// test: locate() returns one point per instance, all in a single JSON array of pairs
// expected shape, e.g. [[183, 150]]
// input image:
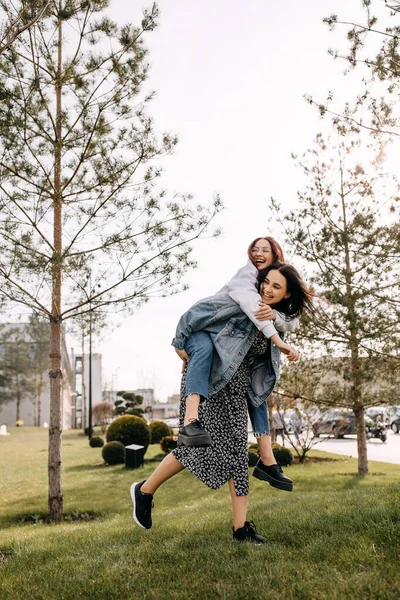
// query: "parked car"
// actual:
[[395, 425], [394, 418], [379, 413], [337, 422]]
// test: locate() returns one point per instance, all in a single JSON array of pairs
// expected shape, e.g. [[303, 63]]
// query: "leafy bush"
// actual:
[[96, 442], [88, 431], [283, 455], [253, 457], [113, 453], [129, 429], [255, 448], [168, 443], [158, 430]]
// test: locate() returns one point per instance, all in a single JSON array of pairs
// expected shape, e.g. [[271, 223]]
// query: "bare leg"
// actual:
[[265, 447], [167, 468], [192, 408], [239, 506]]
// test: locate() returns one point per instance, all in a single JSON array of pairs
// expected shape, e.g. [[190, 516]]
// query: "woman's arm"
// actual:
[[281, 321]]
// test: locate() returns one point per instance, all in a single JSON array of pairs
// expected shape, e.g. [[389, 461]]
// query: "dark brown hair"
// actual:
[[275, 247], [300, 298]]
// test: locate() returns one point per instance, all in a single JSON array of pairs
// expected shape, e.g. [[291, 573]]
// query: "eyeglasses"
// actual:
[[266, 250]]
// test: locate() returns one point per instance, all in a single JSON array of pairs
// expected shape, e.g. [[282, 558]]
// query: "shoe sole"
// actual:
[[133, 498], [199, 440], [259, 474]]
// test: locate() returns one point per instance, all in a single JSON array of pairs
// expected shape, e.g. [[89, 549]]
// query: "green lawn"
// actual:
[[336, 536]]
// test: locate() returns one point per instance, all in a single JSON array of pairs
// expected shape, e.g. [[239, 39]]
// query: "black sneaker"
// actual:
[[274, 475], [248, 533], [193, 435], [142, 505]]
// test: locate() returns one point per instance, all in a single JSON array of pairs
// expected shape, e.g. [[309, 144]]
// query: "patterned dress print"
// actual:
[[224, 416]]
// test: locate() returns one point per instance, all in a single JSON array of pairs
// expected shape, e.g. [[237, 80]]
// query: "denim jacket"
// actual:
[[232, 334]]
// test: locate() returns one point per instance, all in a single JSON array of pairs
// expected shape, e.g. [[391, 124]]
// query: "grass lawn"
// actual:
[[336, 536]]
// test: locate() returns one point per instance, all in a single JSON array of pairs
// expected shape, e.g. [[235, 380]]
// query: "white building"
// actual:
[[166, 410], [33, 405]]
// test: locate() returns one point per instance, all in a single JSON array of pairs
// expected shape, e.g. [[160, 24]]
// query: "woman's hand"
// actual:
[[292, 353], [181, 352], [265, 313]]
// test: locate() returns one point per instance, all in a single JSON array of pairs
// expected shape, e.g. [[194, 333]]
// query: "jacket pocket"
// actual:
[[234, 328]]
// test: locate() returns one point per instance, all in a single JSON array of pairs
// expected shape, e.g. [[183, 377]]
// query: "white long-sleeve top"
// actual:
[[242, 289]]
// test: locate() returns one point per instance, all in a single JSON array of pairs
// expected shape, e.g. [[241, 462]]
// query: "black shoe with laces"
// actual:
[[142, 505], [274, 475], [248, 533], [193, 434]]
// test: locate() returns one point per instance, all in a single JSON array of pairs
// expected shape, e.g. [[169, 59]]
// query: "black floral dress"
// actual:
[[224, 416]]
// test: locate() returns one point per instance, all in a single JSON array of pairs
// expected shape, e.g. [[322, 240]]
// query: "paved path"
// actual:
[[384, 452]]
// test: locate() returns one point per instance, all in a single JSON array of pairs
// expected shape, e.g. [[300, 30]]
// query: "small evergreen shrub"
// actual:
[[283, 455], [96, 442], [113, 453], [129, 429], [253, 457], [255, 448], [168, 443], [158, 430], [88, 431]]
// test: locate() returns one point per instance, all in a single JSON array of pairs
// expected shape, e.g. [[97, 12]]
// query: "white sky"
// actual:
[[230, 78]]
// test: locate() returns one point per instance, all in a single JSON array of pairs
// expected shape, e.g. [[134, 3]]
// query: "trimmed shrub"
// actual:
[[158, 430], [96, 442], [283, 455], [168, 443], [113, 453], [255, 448], [129, 429], [253, 458]]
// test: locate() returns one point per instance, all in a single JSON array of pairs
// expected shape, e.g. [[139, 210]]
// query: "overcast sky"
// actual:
[[230, 78]]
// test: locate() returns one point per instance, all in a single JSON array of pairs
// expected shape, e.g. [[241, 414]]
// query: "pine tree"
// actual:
[[18, 17], [347, 228], [79, 181]]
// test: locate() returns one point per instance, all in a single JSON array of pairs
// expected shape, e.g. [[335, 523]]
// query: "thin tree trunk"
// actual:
[[354, 348], [84, 411], [361, 440], [39, 400], [55, 499], [18, 415]]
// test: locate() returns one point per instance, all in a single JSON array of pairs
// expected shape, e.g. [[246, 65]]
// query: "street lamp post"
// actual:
[[90, 376]]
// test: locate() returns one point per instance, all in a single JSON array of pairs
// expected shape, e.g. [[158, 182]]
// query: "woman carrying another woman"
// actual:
[[245, 365], [199, 347]]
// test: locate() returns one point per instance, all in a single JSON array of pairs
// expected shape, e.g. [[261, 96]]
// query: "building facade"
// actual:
[[29, 402]]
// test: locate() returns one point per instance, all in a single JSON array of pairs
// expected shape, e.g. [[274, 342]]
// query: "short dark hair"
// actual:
[[300, 298]]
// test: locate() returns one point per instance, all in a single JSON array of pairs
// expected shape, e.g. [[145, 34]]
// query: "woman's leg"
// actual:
[[142, 492], [260, 423], [265, 448], [239, 507], [167, 468], [200, 350], [267, 468], [243, 531]]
